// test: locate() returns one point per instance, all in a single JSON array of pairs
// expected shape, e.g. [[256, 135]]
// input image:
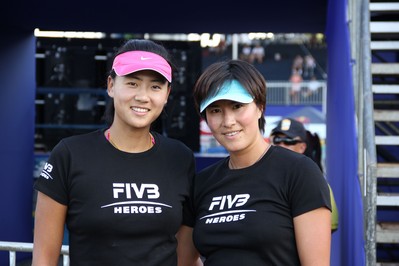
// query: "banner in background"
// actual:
[[17, 116], [341, 146]]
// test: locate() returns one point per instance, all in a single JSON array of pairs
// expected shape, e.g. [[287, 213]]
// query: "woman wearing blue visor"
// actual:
[[263, 204]]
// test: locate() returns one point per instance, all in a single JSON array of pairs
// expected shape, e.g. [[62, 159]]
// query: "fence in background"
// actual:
[[14, 247], [307, 93]]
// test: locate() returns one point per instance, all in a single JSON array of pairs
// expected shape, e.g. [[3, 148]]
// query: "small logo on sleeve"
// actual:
[[46, 172]]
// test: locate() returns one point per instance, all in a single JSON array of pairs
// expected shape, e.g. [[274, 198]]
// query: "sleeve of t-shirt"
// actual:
[[308, 188], [53, 178], [188, 210]]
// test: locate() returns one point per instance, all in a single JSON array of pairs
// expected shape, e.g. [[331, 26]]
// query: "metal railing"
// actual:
[[14, 247], [310, 93]]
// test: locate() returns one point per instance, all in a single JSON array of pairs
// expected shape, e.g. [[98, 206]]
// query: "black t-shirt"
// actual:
[[123, 208], [245, 216]]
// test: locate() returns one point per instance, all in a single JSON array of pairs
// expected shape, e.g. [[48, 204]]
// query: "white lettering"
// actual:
[[215, 201], [225, 219], [241, 199], [128, 191], [134, 209], [137, 209], [118, 189], [48, 167], [237, 201], [150, 190]]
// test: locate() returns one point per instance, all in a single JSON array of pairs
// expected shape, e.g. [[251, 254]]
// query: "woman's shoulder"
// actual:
[[80, 144], [283, 157], [216, 167], [171, 144], [93, 135], [278, 151], [84, 140]]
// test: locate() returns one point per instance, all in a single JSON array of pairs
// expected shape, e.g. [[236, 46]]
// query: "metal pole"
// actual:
[[234, 44], [357, 80], [65, 261], [368, 137], [13, 257]]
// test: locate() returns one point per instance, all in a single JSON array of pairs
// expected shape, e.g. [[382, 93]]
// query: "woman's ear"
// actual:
[[260, 108], [302, 147], [110, 86], [169, 90]]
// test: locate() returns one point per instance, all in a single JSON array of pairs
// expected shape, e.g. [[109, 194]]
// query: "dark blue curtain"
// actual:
[[17, 117], [341, 146]]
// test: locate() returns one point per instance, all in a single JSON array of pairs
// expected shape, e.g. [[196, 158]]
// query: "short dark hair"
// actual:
[[245, 73]]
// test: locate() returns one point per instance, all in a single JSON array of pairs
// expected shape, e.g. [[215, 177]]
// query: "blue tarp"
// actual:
[[348, 241]]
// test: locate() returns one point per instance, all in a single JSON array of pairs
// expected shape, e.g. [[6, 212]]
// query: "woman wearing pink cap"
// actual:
[[263, 204], [122, 191]]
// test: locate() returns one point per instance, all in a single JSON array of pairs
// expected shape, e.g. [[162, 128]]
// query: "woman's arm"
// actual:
[[186, 252], [313, 237], [49, 231]]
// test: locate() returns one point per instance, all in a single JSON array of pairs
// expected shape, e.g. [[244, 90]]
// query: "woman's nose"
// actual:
[[141, 95], [228, 119]]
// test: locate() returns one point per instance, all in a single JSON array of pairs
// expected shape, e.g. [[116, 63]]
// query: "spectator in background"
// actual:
[[313, 42], [246, 52], [309, 66], [296, 84], [291, 134], [297, 65], [257, 54], [221, 48], [277, 57], [313, 87]]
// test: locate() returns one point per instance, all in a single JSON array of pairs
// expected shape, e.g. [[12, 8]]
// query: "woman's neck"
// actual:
[[132, 141], [248, 157]]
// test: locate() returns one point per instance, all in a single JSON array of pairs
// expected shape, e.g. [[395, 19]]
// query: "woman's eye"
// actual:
[[238, 105], [156, 87], [214, 110], [132, 84]]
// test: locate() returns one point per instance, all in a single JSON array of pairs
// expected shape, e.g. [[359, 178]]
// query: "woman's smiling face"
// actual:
[[234, 124], [139, 98]]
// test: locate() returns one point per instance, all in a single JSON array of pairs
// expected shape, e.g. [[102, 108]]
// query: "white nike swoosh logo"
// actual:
[[145, 58]]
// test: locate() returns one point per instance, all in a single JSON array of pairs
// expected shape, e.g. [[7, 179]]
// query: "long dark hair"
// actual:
[[135, 45], [313, 148]]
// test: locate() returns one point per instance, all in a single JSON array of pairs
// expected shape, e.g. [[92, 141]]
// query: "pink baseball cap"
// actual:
[[133, 61]]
